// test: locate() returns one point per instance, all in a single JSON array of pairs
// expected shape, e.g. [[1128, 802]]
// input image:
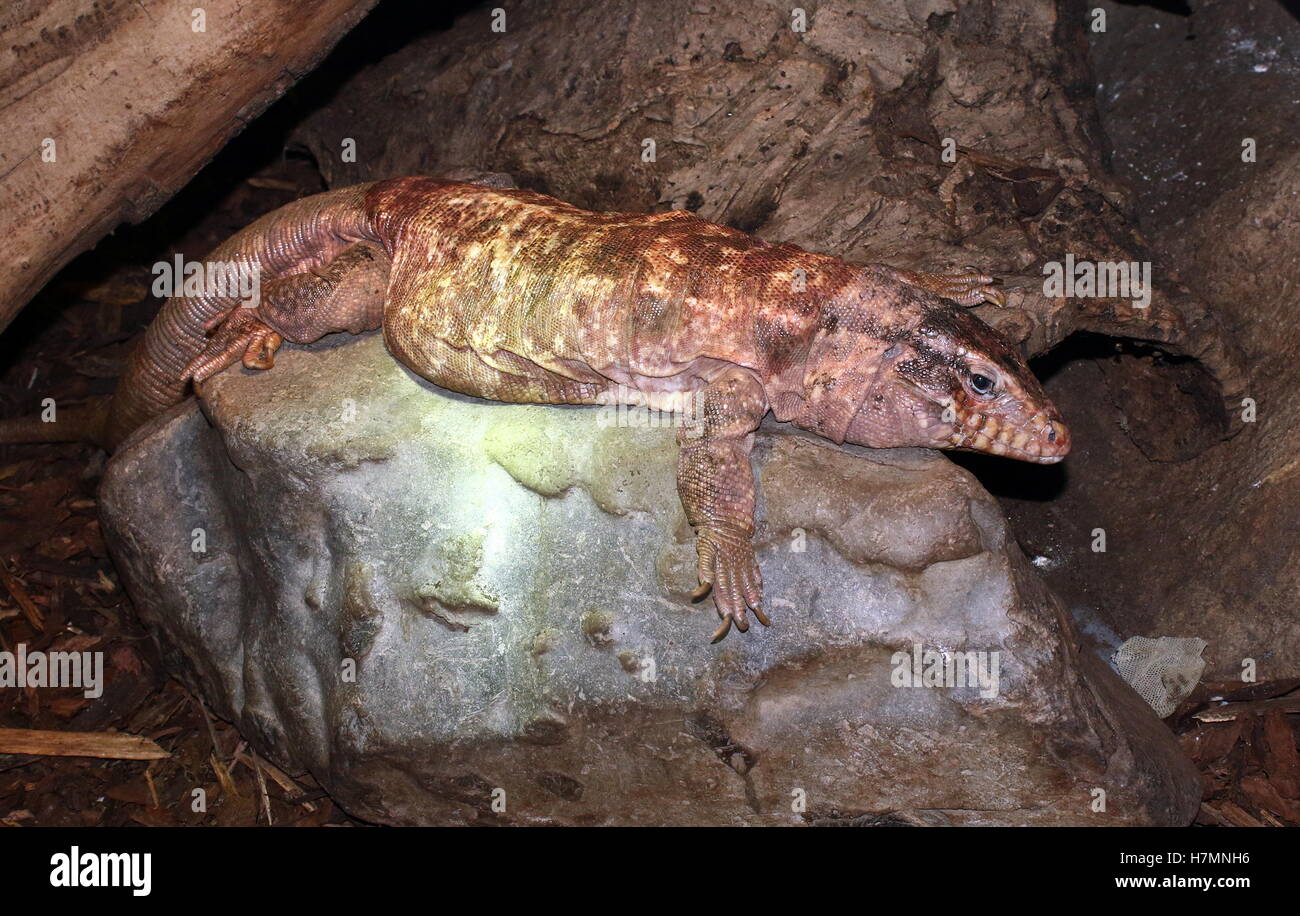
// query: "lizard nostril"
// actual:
[[1056, 437]]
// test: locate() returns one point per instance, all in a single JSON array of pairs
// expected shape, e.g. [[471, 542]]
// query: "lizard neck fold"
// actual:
[[840, 356]]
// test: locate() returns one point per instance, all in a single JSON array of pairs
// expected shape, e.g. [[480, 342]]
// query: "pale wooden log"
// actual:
[[136, 102], [112, 745]]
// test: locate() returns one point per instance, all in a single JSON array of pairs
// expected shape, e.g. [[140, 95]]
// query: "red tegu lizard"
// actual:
[[515, 296]]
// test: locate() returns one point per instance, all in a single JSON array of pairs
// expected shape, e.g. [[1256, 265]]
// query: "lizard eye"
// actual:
[[982, 384]]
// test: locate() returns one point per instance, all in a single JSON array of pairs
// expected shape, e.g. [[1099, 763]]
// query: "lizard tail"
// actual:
[[85, 423], [296, 238]]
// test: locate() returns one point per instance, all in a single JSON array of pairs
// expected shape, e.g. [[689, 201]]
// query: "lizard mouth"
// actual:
[[1040, 439], [933, 420]]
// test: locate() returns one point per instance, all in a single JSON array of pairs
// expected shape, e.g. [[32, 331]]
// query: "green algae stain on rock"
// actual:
[[598, 627], [633, 470], [452, 588], [627, 470], [526, 443]]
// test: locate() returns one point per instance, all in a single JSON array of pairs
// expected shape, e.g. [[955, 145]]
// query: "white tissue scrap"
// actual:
[[1163, 670]]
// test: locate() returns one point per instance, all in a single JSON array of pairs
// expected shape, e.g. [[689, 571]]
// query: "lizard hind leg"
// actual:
[[345, 294]]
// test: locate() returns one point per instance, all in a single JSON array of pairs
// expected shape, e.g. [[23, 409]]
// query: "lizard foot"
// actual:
[[239, 332], [728, 569], [965, 287]]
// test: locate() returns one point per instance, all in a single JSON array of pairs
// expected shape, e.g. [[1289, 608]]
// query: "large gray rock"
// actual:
[[510, 583]]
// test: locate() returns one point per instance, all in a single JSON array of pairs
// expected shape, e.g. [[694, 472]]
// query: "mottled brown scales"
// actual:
[[622, 295], [515, 296]]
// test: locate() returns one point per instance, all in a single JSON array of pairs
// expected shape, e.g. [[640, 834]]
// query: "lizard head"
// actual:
[[919, 372], [953, 382]]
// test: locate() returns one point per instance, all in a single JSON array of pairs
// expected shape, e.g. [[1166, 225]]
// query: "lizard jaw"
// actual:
[[1039, 440]]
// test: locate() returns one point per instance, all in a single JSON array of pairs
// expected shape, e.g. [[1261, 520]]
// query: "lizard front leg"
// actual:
[[345, 294], [716, 483], [966, 287]]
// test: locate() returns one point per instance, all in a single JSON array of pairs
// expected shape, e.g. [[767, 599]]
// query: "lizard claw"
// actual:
[[965, 287], [727, 569], [240, 332], [721, 632], [968, 287]]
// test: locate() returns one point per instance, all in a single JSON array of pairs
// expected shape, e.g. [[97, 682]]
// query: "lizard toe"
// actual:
[[727, 568], [260, 352], [239, 334]]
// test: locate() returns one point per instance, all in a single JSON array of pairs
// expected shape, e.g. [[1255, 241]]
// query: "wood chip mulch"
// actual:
[[69, 757]]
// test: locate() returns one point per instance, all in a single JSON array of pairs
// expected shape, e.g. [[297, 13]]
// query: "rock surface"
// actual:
[[433, 603]]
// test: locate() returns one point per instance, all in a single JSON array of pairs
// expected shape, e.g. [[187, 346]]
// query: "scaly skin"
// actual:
[[515, 296], [301, 236]]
